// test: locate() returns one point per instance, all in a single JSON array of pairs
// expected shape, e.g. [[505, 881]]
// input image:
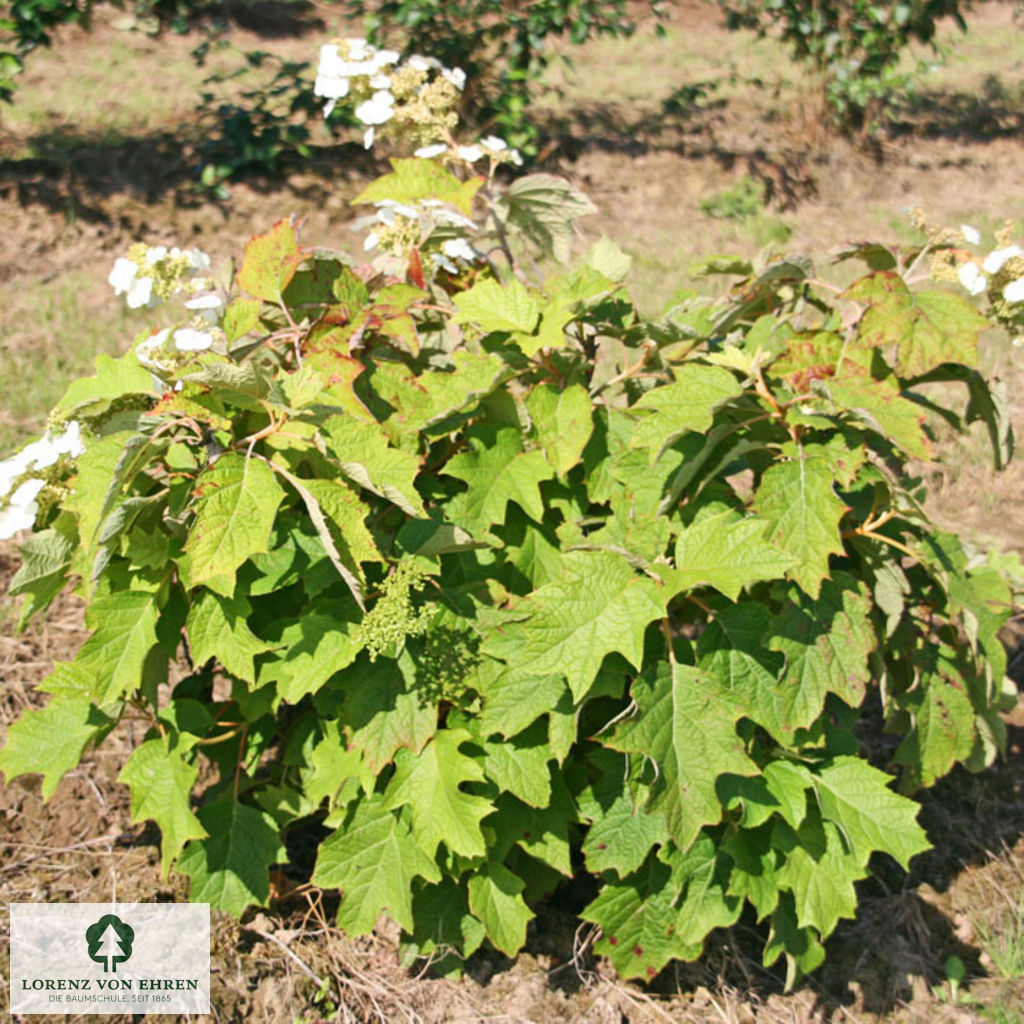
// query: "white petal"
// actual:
[[971, 235], [443, 261], [456, 76], [420, 63], [995, 259], [123, 274], [10, 470], [1014, 291], [40, 454], [445, 216], [460, 249], [187, 339], [154, 341], [357, 68], [27, 493], [70, 442], [378, 110], [385, 58], [368, 137], [470, 153], [426, 152], [380, 82], [141, 293], [358, 48], [329, 59], [156, 253], [17, 517], [198, 259], [972, 278], [371, 243], [330, 87], [494, 144], [209, 300], [393, 206]]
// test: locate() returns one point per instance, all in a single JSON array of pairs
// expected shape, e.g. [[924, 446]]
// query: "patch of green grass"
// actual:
[[660, 274], [50, 334], [647, 70], [124, 83], [765, 229], [736, 202], [1003, 939], [743, 204], [116, 89], [998, 919], [1001, 1014], [967, 59], [653, 278]]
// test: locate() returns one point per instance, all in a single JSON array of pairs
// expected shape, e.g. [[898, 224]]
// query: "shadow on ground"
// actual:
[[78, 176], [72, 173], [962, 117]]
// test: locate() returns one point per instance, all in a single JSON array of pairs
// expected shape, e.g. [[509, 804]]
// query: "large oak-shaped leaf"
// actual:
[[373, 860], [230, 869], [161, 782], [599, 605], [497, 471], [237, 502], [726, 551], [270, 262], [799, 501], [925, 329], [431, 783], [688, 726]]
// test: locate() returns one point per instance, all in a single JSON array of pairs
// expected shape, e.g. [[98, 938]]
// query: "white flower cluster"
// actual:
[[491, 147], [997, 275], [399, 226], [21, 507], [335, 71], [382, 85], [186, 339], [416, 97], [976, 278], [148, 275]]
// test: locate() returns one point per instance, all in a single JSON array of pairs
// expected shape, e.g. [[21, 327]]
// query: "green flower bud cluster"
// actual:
[[943, 268], [394, 617]]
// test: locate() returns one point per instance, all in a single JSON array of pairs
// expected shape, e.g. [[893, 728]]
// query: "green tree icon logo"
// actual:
[[110, 942]]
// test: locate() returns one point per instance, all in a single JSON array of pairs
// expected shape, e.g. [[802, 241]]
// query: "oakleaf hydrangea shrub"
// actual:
[[495, 579]]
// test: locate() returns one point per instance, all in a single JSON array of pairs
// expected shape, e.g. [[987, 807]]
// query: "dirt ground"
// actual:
[[72, 199]]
